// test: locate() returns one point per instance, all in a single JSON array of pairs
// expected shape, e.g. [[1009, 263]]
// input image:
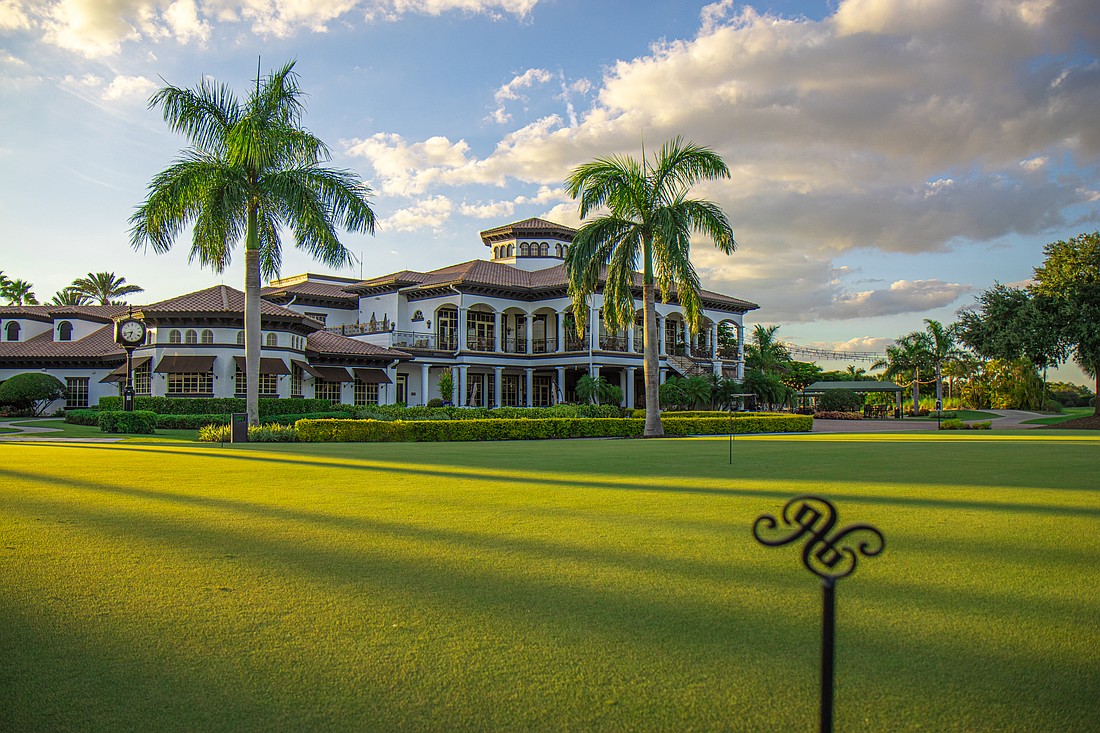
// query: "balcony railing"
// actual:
[[576, 343], [700, 352], [728, 354], [359, 329], [427, 341], [515, 345], [544, 346], [613, 343], [481, 344]]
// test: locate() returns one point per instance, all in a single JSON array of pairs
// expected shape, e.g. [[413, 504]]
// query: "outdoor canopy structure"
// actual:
[[862, 387]]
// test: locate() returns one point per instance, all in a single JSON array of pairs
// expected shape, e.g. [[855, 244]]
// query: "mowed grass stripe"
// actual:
[[581, 585]]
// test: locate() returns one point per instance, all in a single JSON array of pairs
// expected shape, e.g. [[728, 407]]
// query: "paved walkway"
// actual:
[[1005, 419], [29, 432]]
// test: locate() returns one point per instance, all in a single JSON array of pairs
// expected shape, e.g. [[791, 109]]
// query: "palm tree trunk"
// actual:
[[916, 392], [653, 428], [252, 321]]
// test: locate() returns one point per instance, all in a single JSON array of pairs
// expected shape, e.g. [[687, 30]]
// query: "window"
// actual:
[[12, 331], [240, 338], [324, 390], [142, 378], [191, 338], [544, 249], [480, 330], [269, 383], [366, 394], [446, 325], [191, 383], [295, 380], [317, 317], [544, 391], [511, 250], [509, 391], [272, 340], [523, 251], [76, 391], [64, 331], [557, 250], [175, 337], [208, 336]]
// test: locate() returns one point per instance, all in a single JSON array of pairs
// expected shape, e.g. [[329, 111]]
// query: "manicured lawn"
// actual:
[[1071, 413], [88, 431], [963, 415], [587, 585]]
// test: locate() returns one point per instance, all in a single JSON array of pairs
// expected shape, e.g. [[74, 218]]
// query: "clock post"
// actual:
[[129, 334]]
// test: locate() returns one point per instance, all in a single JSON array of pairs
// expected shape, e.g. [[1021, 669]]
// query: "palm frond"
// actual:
[[204, 115]]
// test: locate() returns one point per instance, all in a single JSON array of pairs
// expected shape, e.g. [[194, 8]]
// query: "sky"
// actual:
[[889, 159]]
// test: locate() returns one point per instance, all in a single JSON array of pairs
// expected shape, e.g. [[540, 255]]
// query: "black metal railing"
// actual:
[[613, 343], [544, 346], [515, 345], [576, 343], [700, 352], [481, 344]]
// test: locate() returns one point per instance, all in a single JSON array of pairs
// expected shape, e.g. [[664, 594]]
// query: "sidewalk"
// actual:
[[1005, 419], [28, 433]]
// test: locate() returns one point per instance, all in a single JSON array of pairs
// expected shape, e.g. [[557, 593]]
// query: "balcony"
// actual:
[[424, 341], [544, 346], [613, 343], [573, 342], [515, 345]]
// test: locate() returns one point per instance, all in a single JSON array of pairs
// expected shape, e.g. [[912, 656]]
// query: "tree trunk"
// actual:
[[653, 428], [916, 392], [252, 322], [1096, 399]]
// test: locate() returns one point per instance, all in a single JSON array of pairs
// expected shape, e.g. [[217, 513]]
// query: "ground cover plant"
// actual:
[[495, 586]]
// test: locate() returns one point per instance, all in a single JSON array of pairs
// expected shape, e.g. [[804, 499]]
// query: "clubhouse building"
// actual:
[[504, 327]]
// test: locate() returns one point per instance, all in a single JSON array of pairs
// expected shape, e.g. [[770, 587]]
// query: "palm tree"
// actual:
[[649, 222], [905, 359], [765, 352], [103, 287], [250, 170], [4, 282], [942, 350], [854, 373], [69, 296], [18, 292]]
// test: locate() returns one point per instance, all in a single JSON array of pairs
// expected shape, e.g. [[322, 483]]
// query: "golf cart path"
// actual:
[[1005, 419], [39, 434]]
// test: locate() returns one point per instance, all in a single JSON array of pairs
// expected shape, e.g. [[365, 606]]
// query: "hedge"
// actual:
[[191, 422], [406, 431], [118, 421], [956, 424], [665, 414], [219, 405]]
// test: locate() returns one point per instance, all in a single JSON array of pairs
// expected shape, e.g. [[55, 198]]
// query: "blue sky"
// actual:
[[890, 158]]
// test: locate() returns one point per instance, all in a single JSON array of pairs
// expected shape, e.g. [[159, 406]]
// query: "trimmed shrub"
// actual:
[[702, 413], [956, 424], [219, 405], [118, 421], [215, 434], [839, 400], [269, 433], [838, 416], [82, 417], [314, 431], [31, 392]]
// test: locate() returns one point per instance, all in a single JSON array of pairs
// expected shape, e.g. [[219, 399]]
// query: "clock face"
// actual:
[[132, 332]]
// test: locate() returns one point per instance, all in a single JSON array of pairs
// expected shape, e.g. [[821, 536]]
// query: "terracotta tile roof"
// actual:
[[98, 345], [329, 291], [533, 227], [218, 299], [327, 343], [399, 279], [100, 313]]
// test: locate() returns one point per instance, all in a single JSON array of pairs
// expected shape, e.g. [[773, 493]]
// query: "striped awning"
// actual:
[[119, 375], [267, 365], [372, 376], [185, 365]]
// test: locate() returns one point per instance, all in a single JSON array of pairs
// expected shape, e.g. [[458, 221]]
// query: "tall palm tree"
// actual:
[[765, 352], [19, 292], [4, 282], [69, 296], [649, 223], [854, 373], [250, 170], [104, 287], [942, 349], [905, 360]]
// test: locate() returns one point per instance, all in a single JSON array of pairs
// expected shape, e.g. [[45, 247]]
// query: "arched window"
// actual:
[[511, 251], [175, 337], [240, 338], [208, 336], [272, 340], [544, 249], [523, 251], [557, 250], [64, 331], [12, 330], [192, 337]]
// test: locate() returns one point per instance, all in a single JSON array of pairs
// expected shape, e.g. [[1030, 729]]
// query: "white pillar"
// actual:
[[741, 351], [561, 332], [594, 372], [593, 328], [388, 392], [530, 386], [561, 383], [663, 375], [714, 341], [498, 372], [629, 391], [661, 336], [687, 338], [425, 394], [630, 337], [529, 332], [461, 329], [460, 398], [622, 385], [496, 332]]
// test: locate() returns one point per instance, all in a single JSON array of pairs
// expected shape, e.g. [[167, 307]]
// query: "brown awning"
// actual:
[[372, 376], [267, 365], [185, 365], [119, 374], [306, 368], [331, 374]]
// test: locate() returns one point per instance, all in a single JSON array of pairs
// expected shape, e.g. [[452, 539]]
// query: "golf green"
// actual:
[[580, 585]]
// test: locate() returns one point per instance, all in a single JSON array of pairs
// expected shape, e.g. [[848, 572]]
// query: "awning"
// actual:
[[372, 376], [306, 368], [119, 375], [331, 374], [185, 365], [267, 365]]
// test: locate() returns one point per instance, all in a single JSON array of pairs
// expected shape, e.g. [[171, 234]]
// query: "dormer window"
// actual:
[[11, 331], [64, 331]]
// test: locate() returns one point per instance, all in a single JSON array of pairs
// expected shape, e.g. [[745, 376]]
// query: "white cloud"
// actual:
[[510, 91], [128, 88], [491, 210], [903, 296], [9, 60], [13, 17], [430, 213]]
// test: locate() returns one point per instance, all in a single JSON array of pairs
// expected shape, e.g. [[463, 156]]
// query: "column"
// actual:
[[561, 333], [714, 341], [497, 374], [387, 393], [561, 383], [460, 398], [425, 390], [593, 328], [496, 332], [687, 338], [462, 331], [630, 338], [622, 384], [530, 386], [529, 331], [629, 391], [740, 351], [594, 371], [661, 336], [663, 375]]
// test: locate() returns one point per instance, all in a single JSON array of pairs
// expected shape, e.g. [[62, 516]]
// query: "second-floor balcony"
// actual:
[[427, 341], [613, 343]]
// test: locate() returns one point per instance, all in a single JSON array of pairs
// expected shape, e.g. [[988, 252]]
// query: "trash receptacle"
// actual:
[[238, 427]]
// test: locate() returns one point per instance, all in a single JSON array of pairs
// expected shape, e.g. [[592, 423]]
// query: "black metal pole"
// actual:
[[828, 631]]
